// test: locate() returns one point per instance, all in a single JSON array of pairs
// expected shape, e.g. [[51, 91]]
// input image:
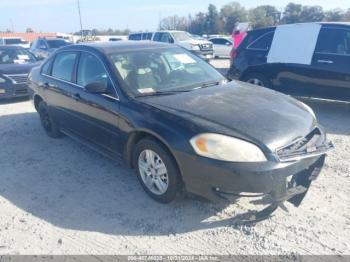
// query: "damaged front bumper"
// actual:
[[281, 180]]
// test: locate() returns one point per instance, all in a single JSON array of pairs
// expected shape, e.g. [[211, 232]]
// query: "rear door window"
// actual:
[[334, 41], [262, 43], [63, 65], [135, 37]]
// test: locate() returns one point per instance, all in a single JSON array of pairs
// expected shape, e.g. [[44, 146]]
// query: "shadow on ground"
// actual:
[[72, 187]]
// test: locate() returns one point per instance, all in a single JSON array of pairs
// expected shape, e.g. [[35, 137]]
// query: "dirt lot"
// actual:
[[59, 197]]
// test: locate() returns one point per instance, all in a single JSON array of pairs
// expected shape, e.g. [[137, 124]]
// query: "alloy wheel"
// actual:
[[153, 172]]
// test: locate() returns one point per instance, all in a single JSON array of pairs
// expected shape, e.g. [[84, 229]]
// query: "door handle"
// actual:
[[76, 97], [325, 61]]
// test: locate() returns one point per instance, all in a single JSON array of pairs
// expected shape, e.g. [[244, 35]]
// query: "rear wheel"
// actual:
[[156, 171], [47, 121], [257, 79]]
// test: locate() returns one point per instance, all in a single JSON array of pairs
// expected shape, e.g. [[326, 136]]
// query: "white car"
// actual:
[[222, 46], [14, 41], [202, 48]]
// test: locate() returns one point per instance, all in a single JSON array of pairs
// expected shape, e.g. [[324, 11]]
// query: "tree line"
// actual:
[[223, 21]]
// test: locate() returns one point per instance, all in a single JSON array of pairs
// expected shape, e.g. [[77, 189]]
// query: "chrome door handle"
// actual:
[[325, 61]]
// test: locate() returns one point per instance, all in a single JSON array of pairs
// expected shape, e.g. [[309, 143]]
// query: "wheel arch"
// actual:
[[136, 136], [37, 99]]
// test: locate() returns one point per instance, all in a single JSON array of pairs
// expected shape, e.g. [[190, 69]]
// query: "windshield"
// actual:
[[181, 36], [56, 43], [153, 71], [16, 56]]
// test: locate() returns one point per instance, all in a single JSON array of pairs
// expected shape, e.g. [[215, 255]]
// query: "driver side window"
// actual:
[[91, 70]]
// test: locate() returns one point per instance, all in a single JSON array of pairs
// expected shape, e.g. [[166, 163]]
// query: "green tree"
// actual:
[[334, 15], [231, 14], [197, 24], [263, 16], [292, 13], [213, 22], [311, 14]]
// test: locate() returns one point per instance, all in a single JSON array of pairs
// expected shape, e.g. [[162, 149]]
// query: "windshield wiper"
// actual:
[[163, 93], [208, 84]]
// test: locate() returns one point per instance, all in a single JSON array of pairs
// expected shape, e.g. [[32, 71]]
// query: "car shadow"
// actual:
[[70, 186]]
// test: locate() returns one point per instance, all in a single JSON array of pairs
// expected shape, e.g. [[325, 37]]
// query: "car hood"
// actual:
[[17, 68], [262, 116]]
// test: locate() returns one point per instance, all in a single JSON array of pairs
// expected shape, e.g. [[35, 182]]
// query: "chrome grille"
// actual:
[[18, 79], [303, 147], [206, 46]]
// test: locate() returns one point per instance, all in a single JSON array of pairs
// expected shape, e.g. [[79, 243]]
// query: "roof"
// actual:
[[121, 46], [30, 37]]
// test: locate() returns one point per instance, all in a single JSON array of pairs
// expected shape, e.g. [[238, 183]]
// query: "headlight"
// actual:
[[195, 48], [2, 80], [226, 148], [309, 109]]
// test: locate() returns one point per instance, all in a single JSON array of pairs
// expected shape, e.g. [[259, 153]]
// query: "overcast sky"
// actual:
[[62, 15]]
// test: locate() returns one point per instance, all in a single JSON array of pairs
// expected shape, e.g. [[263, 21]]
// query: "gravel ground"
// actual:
[[59, 197]]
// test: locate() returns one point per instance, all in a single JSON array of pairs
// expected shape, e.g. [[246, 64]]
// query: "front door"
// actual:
[[98, 113]]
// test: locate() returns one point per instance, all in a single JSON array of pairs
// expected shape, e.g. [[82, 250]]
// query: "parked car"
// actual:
[[201, 48], [43, 47], [14, 41], [175, 120], [222, 46], [313, 60], [15, 64]]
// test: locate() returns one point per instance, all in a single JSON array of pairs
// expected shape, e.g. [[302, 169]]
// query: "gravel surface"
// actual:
[[59, 197]]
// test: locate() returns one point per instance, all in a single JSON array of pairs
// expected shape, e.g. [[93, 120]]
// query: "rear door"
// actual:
[[331, 64], [222, 47], [58, 88]]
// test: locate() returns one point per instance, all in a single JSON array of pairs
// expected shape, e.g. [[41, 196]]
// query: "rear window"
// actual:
[[56, 43], [63, 66], [263, 42]]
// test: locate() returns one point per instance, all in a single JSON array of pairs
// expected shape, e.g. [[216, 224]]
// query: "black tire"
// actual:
[[261, 80], [173, 174], [47, 121]]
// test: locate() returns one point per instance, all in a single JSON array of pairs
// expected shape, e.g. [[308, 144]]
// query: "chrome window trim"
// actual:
[[68, 82], [256, 40]]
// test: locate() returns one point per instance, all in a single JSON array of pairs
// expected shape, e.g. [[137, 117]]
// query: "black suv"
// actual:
[[43, 47], [327, 75]]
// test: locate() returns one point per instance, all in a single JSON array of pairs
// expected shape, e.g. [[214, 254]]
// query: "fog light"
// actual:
[[2, 91]]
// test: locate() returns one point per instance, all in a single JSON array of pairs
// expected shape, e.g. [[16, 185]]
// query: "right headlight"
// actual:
[[2, 80], [226, 148]]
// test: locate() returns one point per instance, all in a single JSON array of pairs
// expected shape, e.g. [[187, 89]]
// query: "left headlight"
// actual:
[[226, 148], [2, 80]]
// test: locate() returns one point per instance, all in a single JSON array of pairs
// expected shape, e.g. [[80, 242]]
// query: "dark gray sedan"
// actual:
[[15, 64]]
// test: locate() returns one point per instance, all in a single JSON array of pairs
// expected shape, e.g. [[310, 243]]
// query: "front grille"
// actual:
[[18, 79], [21, 92], [310, 144], [205, 47]]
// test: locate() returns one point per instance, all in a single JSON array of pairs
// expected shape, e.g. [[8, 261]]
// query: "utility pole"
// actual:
[[81, 23]]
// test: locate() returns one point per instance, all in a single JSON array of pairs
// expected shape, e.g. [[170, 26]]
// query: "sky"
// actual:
[[62, 15]]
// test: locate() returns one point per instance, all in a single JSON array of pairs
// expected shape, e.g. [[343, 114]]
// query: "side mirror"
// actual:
[[96, 88]]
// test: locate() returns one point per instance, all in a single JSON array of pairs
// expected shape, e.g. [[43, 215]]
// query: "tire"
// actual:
[[163, 186], [257, 79], [47, 121]]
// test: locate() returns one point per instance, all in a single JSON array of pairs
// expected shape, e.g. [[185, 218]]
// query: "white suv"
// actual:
[[202, 48]]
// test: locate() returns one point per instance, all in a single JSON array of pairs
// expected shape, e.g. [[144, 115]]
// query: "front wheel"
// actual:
[[156, 171]]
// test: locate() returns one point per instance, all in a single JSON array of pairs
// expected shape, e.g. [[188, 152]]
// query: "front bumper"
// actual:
[[215, 179], [8, 91]]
